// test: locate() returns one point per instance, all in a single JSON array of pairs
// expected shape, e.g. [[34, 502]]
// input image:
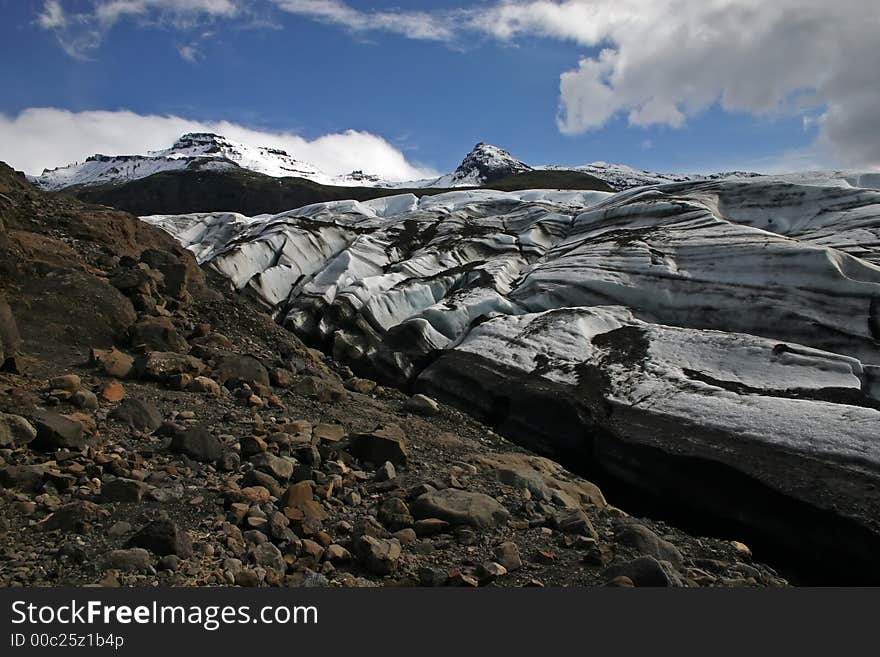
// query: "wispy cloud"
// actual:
[[190, 53], [81, 33], [421, 25]]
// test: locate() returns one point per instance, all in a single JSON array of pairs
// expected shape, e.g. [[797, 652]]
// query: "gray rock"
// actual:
[[199, 444], [575, 521], [378, 555], [123, 490], [236, 370], [384, 444], [161, 365], [460, 507], [55, 431], [386, 472], [15, 431], [645, 571], [85, 399], [27, 478], [268, 556], [422, 404], [137, 414], [647, 542], [394, 514], [280, 468], [507, 554], [132, 559], [157, 334], [164, 537]]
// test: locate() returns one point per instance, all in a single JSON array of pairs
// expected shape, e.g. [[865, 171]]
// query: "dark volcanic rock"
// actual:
[[648, 543], [378, 555], [234, 370], [384, 444], [138, 414], [157, 334], [198, 443], [163, 537], [55, 431], [644, 571]]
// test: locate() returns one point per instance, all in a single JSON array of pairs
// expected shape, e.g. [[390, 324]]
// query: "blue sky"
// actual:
[[284, 66]]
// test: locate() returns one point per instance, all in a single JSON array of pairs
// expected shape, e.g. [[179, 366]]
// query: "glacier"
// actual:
[[732, 323]]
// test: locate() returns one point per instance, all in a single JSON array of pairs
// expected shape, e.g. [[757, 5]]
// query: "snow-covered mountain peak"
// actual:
[[194, 151], [483, 164]]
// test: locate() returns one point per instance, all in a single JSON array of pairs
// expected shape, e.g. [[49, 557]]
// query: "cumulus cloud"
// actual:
[[653, 63], [39, 138], [664, 61]]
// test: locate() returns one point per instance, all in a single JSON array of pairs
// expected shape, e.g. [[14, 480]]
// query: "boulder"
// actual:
[[160, 365], [205, 385], [157, 334], [422, 405], [280, 468], [55, 431], [132, 559], [15, 431], [199, 444], [574, 521], [235, 370], [26, 478], [137, 414], [507, 554], [378, 555], [175, 273], [644, 571], [112, 362], [85, 399], [459, 507], [123, 490], [648, 543], [78, 516], [324, 390], [386, 443], [394, 514], [163, 537]]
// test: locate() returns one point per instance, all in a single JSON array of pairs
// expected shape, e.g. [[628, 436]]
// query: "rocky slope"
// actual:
[[158, 429], [709, 344]]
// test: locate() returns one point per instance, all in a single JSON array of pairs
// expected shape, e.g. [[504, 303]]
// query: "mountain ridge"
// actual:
[[202, 151]]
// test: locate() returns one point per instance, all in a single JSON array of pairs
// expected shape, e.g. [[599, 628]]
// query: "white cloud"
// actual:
[[81, 33], [660, 62], [666, 60], [52, 16], [190, 53], [39, 138], [656, 62], [411, 24]]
